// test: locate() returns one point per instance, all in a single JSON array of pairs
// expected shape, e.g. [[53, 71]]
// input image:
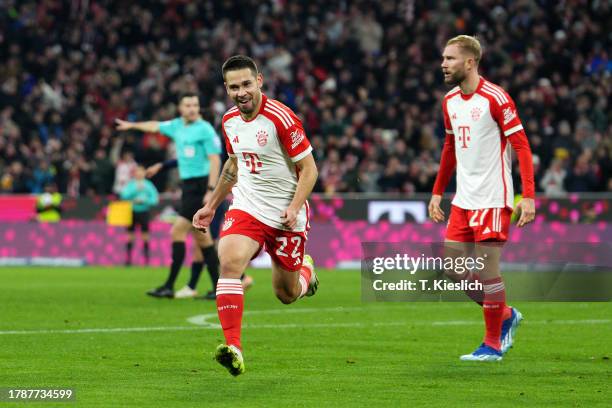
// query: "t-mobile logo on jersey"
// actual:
[[252, 161], [464, 136]]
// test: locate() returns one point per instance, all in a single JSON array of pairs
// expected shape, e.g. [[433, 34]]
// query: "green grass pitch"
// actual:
[[328, 350]]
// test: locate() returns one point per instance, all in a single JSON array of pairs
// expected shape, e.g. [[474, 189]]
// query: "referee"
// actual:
[[197, 151]]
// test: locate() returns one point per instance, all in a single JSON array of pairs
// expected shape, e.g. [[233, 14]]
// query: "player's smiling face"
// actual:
[[453, 65], [244, 87]]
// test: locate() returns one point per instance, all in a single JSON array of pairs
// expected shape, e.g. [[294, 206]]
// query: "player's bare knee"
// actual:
[[285, 296], [231, 266]]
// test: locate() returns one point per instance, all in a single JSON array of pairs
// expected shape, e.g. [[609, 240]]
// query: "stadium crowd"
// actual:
[[363, 75]]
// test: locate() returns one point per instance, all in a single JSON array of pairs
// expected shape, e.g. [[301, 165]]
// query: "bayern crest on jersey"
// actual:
[[476, 112], [262, 138]]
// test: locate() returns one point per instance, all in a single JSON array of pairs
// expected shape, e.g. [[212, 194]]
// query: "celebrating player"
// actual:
[[271, 172], [197, 148], [481, 122]]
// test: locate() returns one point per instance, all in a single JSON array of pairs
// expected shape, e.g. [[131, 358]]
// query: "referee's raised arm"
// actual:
[[150, 126]]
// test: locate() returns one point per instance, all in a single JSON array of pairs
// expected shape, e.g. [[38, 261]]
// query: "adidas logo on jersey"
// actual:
[[228, 223], [235, 140]]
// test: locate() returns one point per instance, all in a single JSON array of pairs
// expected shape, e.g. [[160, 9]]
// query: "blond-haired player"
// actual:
[[481, 124]]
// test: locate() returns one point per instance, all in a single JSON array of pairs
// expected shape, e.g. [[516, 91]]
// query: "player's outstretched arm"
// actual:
[[229, 176], [308, 178], [147, 127]]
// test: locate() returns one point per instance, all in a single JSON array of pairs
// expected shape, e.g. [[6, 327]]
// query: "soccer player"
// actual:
[[197, 148], [143, 195], [271, 172], [481, 123]]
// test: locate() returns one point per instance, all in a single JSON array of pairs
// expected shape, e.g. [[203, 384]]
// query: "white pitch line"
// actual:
[[213, 326], [103, 330]]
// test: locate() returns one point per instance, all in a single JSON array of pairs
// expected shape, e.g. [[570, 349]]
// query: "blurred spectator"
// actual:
[[581, 177], [102, 174], [124, 171], [554, 179], [364, 75], [144, 196], [48, 204], [14, 180]]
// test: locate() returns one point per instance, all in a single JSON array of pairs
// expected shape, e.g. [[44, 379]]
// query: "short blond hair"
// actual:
[[467, 44]]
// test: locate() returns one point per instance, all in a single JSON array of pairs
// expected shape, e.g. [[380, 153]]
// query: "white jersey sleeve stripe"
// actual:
[[494, 95], [280, 114], [513, 130], [281, 110], [449, 131], [279, 117], [496, 91]]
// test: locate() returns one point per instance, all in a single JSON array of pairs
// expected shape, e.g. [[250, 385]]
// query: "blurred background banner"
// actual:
[[17, 207], [575, 208], [344, 221]]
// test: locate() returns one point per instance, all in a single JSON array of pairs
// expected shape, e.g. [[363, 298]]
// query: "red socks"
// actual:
[[495, 310], [230, 303]]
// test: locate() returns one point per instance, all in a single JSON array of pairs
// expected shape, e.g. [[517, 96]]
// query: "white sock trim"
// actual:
[[229, 287], [304, 286]]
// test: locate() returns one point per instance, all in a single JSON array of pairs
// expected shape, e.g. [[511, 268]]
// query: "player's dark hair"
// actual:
[[237, 62], [187, 94]]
